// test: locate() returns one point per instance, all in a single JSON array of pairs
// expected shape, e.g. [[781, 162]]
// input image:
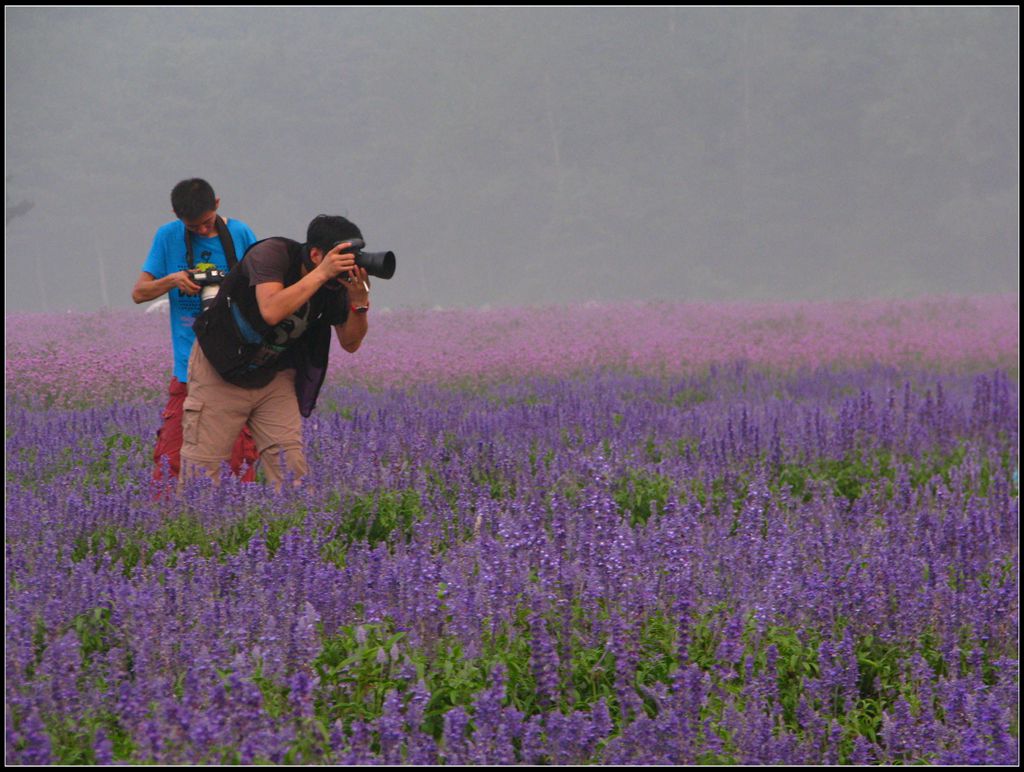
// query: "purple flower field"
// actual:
[[671, 534]]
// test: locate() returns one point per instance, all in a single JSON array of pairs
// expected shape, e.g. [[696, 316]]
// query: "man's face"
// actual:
[[205, 225]]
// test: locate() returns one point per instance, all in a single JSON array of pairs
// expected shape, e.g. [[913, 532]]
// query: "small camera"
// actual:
[[209, 276], [209, 279]]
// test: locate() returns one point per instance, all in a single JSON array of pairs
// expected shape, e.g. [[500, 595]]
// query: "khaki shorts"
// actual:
[[216, 411], [169, 437]]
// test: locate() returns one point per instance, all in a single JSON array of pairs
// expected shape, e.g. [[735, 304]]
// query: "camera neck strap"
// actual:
[[225, 241]]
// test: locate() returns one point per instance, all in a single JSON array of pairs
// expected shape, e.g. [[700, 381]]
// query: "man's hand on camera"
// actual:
[[184, 284], [341, 265], [337, 262], [357, 283]]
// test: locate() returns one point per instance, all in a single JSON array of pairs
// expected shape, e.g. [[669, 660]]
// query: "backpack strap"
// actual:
[[225, 241]]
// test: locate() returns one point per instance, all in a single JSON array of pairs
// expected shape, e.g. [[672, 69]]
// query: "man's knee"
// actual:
[[292, 452], [192, 468], [294, 461]]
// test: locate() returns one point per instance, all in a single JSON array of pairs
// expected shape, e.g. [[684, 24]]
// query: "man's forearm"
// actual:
[[276, 305], [352, 332], [151, 290]]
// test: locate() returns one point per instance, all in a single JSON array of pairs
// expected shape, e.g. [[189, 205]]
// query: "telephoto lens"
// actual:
[[379, 264]]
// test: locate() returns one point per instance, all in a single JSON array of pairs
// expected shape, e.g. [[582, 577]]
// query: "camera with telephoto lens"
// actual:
[[209, 279], [379, 264]]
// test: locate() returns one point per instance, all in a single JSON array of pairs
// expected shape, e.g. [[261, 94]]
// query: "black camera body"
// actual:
[[209, 279], [379, 264]]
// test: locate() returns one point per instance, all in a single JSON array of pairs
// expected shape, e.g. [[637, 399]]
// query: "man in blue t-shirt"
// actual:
[[178, 247]]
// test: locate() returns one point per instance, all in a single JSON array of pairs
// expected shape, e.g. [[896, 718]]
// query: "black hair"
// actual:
[[192, 198], [326, 230]]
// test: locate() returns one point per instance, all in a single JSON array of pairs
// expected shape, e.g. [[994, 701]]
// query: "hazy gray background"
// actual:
[[527, 155]]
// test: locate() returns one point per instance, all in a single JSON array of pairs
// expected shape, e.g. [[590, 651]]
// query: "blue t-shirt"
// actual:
[[167, 256]]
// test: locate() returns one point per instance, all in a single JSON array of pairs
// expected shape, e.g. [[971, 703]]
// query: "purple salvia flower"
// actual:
[[391, 729], [103, 748], [492, 738], [898, 731], [835, 736], [422, 749], [601, 719], [544, 663], [455, 750], [37, 748], [359, 752], [301, 693], [534, 749], [863, 751], [337, 740]]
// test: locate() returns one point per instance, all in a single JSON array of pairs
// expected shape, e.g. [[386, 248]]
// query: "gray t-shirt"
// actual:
[[271, 261]]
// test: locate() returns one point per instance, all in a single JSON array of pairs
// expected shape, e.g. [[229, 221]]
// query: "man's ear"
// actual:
[[216, 204]]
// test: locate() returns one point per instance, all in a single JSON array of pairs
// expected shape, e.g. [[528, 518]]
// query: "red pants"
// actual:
[[169, 439]]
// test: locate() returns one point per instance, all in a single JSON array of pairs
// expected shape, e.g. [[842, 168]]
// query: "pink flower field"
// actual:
[[75, 359]]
